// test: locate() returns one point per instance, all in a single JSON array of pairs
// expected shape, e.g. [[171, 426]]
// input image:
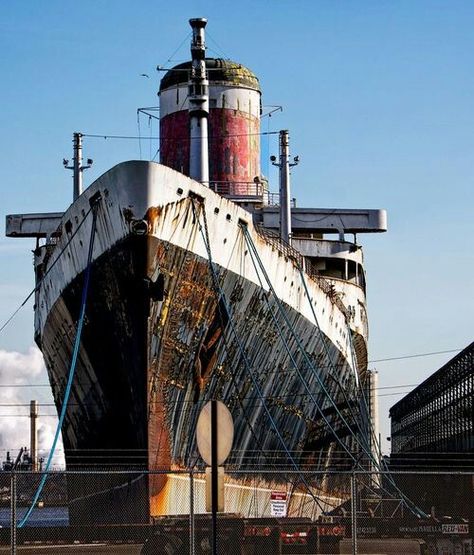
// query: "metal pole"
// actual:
[[354, 513], [285, 208], [198, 105], [191, 513], [33, 435], [374, 431], [77, 165], [214, 474], [13, 512]]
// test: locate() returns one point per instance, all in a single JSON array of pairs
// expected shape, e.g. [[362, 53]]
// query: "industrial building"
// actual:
[[433, 442], [437, 417]]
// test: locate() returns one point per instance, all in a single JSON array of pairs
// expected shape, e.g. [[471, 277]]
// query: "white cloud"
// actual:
[[18, 369]]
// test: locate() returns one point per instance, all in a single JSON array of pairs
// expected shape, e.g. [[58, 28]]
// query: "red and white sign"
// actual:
[[278, 496], [332, 530], [455, 528], [278, 506]]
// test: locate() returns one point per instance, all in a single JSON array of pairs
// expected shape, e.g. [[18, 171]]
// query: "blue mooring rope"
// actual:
[[72, 368], [221, 296]]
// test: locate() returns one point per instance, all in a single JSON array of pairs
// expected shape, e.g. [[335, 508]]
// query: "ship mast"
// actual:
[[77, 166], [198, 105], [285, 200]]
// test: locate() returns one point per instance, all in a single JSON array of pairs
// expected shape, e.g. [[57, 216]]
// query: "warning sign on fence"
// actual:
[[278, 503]]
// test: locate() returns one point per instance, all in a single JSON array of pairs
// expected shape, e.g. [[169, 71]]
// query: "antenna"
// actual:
[[77, 166]]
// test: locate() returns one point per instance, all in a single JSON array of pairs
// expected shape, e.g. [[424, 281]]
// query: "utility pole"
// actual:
[[34, 435], [374, 428]]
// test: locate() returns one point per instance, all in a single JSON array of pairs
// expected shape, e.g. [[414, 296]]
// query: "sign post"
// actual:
[[214, 436], [214, 474]]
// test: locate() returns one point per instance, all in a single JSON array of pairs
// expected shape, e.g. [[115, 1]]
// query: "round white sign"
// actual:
[[225, 432]]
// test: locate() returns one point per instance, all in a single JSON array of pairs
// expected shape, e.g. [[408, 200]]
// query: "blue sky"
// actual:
[[378, 98]]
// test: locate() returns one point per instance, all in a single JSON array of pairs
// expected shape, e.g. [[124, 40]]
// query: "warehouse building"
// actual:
[[437, 417]]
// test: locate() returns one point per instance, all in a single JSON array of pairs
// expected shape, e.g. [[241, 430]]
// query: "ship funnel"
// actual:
[[224, 123], [198, 91]]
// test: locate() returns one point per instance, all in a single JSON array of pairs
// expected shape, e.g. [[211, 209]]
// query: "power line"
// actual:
[[402, 357], [137, 137], [398, 386], [25, 385], [79, 383], [27, 415], [39, 282], [415, 356], [391, 394]]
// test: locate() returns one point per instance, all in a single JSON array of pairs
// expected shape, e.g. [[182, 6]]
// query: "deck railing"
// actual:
[[250, 190], [239, 188], [290, 252]]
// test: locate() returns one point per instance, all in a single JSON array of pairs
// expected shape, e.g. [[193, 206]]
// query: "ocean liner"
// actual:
[[188, 280]]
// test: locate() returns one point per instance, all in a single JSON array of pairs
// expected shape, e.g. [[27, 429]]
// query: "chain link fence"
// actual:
[[257, 513]]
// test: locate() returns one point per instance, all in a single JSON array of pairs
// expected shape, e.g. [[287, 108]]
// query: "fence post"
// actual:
[[354, 512], [13, 512], [191, 513]]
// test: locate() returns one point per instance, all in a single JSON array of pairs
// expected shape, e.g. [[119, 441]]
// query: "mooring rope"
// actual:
[[40, 281], [410, 505], [221, 296], [77, 342]]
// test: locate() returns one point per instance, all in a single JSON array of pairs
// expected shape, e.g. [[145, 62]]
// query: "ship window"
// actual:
[[328, 267], [361, 275], [228, 217], [68, 226], [351, 271]]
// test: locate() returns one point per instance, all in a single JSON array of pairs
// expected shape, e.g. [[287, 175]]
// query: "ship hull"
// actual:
[[172, 321]]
